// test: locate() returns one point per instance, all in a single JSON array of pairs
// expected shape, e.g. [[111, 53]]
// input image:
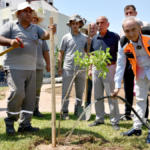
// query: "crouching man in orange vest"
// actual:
[[135, 45]]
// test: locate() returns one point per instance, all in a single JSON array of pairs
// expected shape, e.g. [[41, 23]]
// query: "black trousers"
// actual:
[[89, 92], [128, 88]]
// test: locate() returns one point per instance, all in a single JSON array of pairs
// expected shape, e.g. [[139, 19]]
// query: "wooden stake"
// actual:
[[53, 104], [86, 82]]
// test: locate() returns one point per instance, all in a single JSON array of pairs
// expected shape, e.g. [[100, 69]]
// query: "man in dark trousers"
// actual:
[[128, 78], [93, 33]]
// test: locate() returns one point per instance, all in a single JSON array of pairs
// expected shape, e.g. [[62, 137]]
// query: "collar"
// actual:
[[75, 35], [30, 26], [139, 40], [107, 34]]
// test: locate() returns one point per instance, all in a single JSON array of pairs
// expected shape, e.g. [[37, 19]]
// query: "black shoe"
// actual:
[[148, 138], [96, 123], [116, 127], [132, 132], [28, 129], [10, 129], [76, 113], [37, 113], [65, 116], [125, 118]]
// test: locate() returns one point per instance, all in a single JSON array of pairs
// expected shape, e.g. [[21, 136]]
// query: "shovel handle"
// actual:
[[6, 51], [11, 48]]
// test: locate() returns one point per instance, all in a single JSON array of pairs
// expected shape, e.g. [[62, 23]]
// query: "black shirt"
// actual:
[[110, 40]]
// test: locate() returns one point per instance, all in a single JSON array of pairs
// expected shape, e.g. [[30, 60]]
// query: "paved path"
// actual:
[[45, 103]]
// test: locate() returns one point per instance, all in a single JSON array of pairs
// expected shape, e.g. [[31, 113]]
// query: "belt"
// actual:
[[112, 63]]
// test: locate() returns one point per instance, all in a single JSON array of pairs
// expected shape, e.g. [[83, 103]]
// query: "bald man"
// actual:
[[93, 33], [128, 78], [103, 40]]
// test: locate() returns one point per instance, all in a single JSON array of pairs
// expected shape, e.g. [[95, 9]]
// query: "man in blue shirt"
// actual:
[[103, 40]]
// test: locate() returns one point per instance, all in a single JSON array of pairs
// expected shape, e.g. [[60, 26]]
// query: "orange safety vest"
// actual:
[[131, 55]]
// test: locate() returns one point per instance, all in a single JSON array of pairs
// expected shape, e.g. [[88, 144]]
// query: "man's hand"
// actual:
[[48, 68], [60, 71], [116, 91], [90, 73], [14, 43], [89, 40], [53, 28]]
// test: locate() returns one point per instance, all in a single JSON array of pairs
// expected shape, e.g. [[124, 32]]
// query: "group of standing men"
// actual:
[[130, 63], [24, 67]]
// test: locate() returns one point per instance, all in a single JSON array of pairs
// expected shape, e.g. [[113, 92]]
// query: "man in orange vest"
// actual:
[[135, 46], [128, 77]]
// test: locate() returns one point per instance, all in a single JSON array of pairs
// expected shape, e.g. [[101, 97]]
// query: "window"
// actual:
[[7, 4], [4, 4]]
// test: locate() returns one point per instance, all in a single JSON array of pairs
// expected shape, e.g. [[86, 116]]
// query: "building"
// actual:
[[45, 10]]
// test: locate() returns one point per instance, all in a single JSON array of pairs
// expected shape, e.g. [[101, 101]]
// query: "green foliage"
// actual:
[[98, 58], [87, 138], [40, 10], [56, 56]]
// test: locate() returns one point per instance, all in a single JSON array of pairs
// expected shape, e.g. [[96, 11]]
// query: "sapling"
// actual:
[[100, 59]]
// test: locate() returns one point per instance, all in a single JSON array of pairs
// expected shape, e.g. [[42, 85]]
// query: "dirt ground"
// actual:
[[58, 91], [80, 145]]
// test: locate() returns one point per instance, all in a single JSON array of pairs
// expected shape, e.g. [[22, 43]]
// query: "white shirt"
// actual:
[[143, 63]]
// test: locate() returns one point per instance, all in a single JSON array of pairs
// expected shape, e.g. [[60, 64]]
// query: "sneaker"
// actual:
[[10, 129], [132, 132], [96, 123], [105, 114], [37, 113], [148, 138], [116, 127], [65, 116], [28, 129], [125, 118]]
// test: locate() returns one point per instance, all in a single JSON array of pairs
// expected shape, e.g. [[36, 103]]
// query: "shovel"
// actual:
[[87, 114], [11, 48]]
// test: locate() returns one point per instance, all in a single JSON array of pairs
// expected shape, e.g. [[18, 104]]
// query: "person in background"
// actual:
[[42, 52], [93, 33], [2, 75], [70, 43]]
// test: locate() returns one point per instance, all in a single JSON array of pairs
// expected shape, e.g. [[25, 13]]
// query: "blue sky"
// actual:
[[112, 9]]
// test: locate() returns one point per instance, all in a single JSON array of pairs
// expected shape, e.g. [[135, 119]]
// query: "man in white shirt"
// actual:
[[136, 47], [128, 78]]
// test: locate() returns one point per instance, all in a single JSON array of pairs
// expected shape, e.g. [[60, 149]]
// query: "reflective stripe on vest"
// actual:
[[131, 55]]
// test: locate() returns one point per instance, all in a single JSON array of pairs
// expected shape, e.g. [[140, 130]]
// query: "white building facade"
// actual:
[[7, 13]]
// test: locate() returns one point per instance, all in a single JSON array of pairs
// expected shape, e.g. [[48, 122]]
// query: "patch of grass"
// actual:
[[90, 138], [2, 94]]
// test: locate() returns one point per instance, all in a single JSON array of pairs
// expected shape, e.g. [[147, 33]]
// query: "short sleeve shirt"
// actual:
[[21, 58], [70, 44], [42, 47], [110, 40]]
